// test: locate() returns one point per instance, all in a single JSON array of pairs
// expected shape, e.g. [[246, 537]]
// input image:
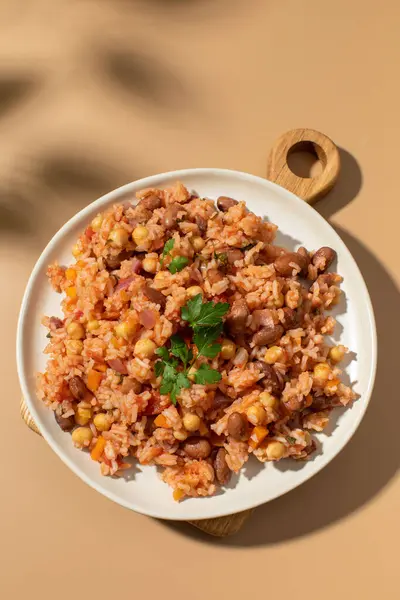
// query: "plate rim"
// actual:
[[108, 198]]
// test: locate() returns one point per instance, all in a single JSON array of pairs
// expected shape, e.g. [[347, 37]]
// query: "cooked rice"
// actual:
[[104, 288]]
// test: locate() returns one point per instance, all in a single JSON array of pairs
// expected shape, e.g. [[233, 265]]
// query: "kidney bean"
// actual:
[[238, 427], [222, 471], [114, 262], [201, 223], [150, 202], [220, 401], [289, 320], [267, 335], [66, 424], [224, 203], [237, 317], [270, 381], [282, 263], [323, 258], [77, 387], [197, 447], [170, 216], [154, 296]]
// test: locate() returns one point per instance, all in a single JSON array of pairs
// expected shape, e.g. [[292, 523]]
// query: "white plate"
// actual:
[[298, 224]]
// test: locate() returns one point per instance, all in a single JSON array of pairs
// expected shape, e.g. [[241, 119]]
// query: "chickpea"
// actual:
[[82, 436], [125, 329], [74, 347], [75, 331], [83, 415], [97, 222], [273, 355], [76, 251], [336, 354], [198, 243], [275, 450], [322, 372], [181, 436], [92, 325], [144, 348], [150, 264], [191, 422], [268, 400], [228, 349], [119, 237], [193, 291], [140, 234], [256, 414], [102, 422]]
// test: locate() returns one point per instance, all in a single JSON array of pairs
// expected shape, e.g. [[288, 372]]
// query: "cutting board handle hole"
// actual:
[[306, 159]]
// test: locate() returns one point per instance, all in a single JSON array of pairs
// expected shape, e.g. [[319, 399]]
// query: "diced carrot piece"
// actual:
[[93, 380], [101, 367], [98, 449], [258, 434], [70, 274], [203, 430], [178, 494], [71, 292], [161, 421], [124, 296]]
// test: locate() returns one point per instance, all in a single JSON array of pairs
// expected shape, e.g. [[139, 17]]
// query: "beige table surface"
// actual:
[[94, 94]]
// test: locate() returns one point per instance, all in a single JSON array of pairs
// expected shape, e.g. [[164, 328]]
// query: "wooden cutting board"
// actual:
[[310, 190]]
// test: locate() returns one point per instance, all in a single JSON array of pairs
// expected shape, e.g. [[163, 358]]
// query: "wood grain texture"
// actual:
[[221, 527], [309, 189]]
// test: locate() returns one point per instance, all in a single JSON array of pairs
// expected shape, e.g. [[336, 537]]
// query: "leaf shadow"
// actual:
[[15, 90]]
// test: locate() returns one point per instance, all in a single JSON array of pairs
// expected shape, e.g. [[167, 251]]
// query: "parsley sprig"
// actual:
[[205, 319], [178, 263]]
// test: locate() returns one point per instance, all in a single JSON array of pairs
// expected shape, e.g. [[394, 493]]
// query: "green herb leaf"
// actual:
[[167, 249], [222, 258], [291, 439], [249, 246], [203, 315], [48, 335], [163, 352], [204, 339], [159, 368], [177, 264], [191, 311], [180, 349], [206, 375]]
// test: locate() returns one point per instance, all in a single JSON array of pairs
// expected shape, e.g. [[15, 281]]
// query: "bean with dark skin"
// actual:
[[77, 387], [222, 471], [170, 216], [154, 296], [323, 258], [270, 381], [220, 401], [201, 224], [289, 320], [238, 427], [305, 254], [262, 318], [237, 317], [197, 447], [282, 263], [114, 262], [66, 424], [267, 335], [224, 203], [150, 202], [214, 276]]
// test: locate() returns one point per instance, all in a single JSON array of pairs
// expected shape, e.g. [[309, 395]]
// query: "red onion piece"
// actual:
[[118, 365], [148, 318]]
